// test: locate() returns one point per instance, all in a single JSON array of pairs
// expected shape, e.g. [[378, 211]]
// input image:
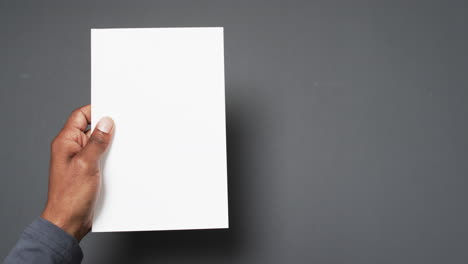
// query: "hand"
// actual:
[[75, 176]]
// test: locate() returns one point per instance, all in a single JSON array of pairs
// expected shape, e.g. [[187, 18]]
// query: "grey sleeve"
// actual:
[[44, 242]]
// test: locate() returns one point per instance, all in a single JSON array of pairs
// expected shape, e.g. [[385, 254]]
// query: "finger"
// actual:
[[98, 141], [80, 118], [64, 148]]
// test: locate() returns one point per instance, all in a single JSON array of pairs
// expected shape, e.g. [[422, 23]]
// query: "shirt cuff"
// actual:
[[52, 236]]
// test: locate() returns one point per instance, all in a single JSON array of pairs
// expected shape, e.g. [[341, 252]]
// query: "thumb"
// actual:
[[99, 140]]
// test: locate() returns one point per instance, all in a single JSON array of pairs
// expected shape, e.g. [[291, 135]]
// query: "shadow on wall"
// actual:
[[136, 247]]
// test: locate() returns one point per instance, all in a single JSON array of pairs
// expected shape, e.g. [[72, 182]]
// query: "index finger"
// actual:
[[79, 118]]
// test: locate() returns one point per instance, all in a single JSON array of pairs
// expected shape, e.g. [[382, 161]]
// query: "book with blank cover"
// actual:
[[166, 166]]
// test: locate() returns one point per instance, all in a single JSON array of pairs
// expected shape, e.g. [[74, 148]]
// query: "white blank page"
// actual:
[[166, 167]]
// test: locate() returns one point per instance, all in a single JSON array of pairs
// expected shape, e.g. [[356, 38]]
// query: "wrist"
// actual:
[[74, 227]]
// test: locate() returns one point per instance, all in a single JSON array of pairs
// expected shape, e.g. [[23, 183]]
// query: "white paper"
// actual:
[[164, 88]]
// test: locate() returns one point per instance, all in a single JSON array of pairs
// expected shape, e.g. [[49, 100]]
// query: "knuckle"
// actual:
[[55, 145], [75, 111], [85, 167], [98, 139], [61, 145], [81, 164]]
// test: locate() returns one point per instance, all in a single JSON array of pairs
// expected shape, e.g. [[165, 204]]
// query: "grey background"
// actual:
[[346, 122]]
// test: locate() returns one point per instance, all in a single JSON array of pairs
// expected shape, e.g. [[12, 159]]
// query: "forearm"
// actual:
[[43, 242]]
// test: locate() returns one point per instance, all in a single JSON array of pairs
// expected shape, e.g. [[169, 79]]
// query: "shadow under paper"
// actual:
[[139, 247]]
